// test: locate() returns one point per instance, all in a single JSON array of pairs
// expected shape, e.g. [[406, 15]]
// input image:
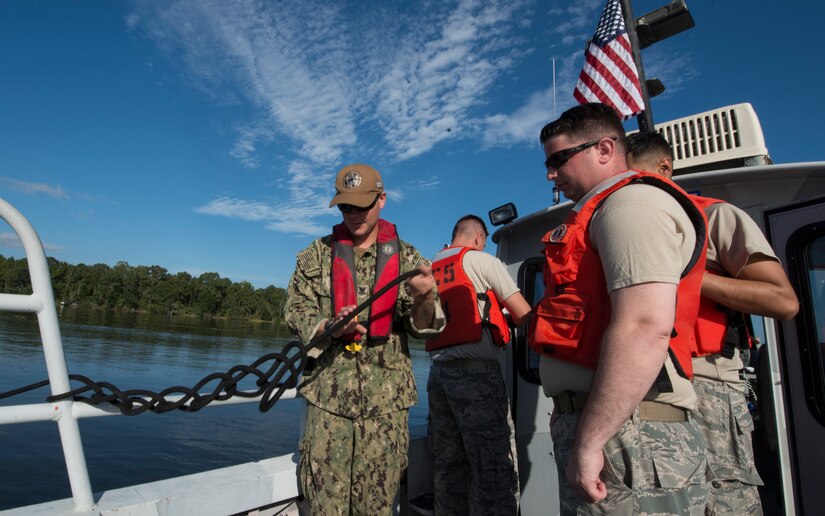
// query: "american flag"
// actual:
[[609, 74]]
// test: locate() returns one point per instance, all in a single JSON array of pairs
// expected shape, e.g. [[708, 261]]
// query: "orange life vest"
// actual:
[[719, 330], [387, 268], [459, 300], [574, 312]]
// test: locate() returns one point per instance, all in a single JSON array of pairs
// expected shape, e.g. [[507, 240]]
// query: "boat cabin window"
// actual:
[[531, 283], [808, 245], [816, 276]]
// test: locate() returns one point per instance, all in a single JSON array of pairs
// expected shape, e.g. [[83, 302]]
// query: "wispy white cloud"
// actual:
[[522, 126], [428, 183], [307, 201], [237, 209], [438, 82], [274, 218], [326, 79], [582, 15], [395, 195], [319, 74], [11, 241], [34, 188], [674, 70], [244, 149], [280, 58], [572, 25], [318, 82]]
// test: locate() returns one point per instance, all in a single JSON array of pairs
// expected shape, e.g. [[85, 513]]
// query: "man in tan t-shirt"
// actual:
[[746, 276], [471, 429], [622, 444]]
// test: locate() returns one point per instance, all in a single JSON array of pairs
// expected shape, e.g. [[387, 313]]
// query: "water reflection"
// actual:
[[151, 352]]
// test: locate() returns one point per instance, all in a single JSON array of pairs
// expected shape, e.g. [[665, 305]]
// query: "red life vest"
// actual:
[[719, 330], [574, 312], [387, 268], [459, 300]]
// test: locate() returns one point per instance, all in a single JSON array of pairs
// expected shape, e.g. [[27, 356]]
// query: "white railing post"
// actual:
[[53, 351]]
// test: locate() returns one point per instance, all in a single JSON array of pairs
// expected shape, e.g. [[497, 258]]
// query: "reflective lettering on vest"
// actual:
[[387, 268], [574, 312], [459, 300]]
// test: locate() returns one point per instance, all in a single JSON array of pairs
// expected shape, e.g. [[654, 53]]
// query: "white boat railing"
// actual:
[[67, 412]]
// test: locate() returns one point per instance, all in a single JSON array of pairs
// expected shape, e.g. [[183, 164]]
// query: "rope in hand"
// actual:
[[272, 381]]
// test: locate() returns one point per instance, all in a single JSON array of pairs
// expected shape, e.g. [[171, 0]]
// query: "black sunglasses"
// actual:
[[559, 158], [349, 208]]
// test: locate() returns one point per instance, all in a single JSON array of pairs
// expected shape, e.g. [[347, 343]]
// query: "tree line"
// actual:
[[149, 289]]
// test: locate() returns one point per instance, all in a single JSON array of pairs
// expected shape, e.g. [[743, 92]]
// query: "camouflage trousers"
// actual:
[[352, 466], [471, 439], [650, 467], [723, 417]]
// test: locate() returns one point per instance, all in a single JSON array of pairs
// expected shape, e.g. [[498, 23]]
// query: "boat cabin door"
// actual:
[[797, 378]]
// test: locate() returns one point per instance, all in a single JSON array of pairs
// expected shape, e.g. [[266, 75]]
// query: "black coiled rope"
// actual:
[[276, 372]]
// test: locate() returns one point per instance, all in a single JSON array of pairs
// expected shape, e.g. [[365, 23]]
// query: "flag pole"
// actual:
[[645, 118]]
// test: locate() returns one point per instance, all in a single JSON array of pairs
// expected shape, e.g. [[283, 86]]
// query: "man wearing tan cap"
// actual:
[[361, 385]]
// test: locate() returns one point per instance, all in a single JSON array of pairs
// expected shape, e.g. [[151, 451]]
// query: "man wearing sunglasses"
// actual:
[[744, 276], [361, 384], [622, 280]]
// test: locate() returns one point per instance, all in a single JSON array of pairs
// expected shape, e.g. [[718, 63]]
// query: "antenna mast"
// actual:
[[554, 86]]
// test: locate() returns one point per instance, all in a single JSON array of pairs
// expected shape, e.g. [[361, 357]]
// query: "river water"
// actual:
[[150, 352]]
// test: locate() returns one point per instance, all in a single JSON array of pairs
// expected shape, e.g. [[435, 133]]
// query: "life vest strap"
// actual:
[[485, 316], [663, 383]]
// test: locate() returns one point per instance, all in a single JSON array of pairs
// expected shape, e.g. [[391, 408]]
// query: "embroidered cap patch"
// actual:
[[352, 180]]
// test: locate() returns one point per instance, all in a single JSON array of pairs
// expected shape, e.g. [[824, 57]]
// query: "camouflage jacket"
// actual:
[[376, 380]]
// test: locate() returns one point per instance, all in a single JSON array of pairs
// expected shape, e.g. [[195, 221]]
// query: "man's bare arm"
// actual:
[[519, 308], [761, 288], [633, 352], [423, 291]]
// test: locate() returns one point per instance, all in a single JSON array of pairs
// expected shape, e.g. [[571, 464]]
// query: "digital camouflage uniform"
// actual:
[[723, 417], [471, 433], [721, 411], [650, 468], [354, 447], [471, 440]]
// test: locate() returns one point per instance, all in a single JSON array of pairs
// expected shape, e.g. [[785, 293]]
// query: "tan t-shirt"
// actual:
[[733, 238], [642, 235], [486, 272]]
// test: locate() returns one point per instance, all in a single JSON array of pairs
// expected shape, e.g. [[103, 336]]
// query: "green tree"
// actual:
[[152, 289]]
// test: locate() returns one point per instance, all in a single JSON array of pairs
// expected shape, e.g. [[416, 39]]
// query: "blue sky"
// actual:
[[204, 136]]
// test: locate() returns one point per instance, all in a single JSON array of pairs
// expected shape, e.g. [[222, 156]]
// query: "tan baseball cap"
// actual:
[[358, 185]]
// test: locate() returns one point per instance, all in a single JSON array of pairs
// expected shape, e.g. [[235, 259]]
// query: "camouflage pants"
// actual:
[[722, 415], [352, 466], [471, 439], [650, 467]]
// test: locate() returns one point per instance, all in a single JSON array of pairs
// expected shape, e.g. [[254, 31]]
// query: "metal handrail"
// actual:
[[65, 412], [41, 302], [35, 412]]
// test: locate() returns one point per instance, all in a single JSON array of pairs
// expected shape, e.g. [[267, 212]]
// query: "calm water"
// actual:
[[152, 352]]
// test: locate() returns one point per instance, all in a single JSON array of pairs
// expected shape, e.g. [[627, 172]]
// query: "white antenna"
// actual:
[[554, 86]]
